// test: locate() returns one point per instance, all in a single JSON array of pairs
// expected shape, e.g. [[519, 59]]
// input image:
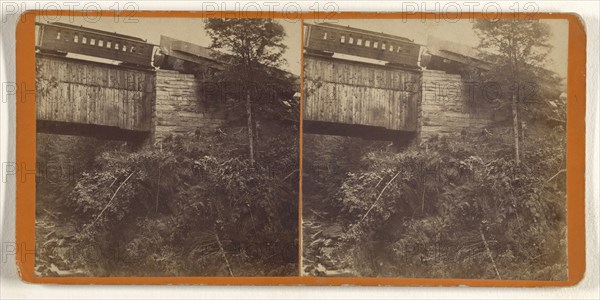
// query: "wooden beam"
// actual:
[[95, 131]]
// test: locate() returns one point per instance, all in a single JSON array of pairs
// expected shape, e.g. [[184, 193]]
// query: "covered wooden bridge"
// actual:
[[79, 97], [107, 85], [378, 86], [360, 98]]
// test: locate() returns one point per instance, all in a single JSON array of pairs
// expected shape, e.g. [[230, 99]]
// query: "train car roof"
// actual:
[[362, 31], [457, 52], [95, 31], [187, 51]]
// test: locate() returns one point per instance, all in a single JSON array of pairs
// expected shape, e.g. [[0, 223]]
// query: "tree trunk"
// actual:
[[250, 131], [515, 89], [515, 113], [522, 141]]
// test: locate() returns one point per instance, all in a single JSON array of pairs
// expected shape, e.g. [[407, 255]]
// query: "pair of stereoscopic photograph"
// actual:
[[252, 147]]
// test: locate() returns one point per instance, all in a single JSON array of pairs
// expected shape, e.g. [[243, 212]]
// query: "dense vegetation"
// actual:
[[191, 205], [457, 206]]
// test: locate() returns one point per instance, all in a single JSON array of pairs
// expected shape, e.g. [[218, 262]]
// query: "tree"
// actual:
[[517, 47], [252, 49]]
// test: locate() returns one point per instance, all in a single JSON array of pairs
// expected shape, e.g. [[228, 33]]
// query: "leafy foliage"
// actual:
[[254, 43], [514, 40], [517, 48], [188, 206], [457, 207], [252, 51]]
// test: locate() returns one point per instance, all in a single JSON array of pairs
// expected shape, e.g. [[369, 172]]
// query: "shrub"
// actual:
[[457, 207], [188, 206]]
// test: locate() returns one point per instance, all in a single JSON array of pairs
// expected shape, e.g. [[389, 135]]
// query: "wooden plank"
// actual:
[[356, 93], [141, 111], [54, 103], [105, 114], [84, 104], [131, 97], [52, 94], [132, 107], [64, 103], [39, 86], [138, 109], [111, 104], [72, 103], [124, 108], [131, 111], [128, 111], [121, 115], [89, 104]]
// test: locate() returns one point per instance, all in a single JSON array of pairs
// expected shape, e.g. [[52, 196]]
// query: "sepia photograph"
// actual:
[[331, 149], [167, 147], [435, 149]]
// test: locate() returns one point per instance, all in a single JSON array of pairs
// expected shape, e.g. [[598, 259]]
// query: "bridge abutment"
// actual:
[[449, 104], [183, 104]]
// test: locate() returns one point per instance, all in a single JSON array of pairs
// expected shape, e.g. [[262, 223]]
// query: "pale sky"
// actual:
[[189, 30], [461, 32]]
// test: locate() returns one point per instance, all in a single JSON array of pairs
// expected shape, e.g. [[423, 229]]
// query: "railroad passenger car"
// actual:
[[325, 38], [63, 38]]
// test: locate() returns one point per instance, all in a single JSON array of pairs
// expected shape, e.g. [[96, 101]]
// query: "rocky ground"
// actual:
[[321, 238]]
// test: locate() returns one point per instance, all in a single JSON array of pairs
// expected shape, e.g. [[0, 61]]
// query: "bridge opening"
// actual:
[[90, 130]]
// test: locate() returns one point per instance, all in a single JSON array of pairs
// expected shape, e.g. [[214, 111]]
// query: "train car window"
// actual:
[[342, 39], [108, 44], [383, 46], [100, 43], [325, 35], [124, 48], [359, 42], [350, 40], [58, 35], [392, 48], [399, 49], [93, 42], [76, 38], [367, 43], [116, 46], [84, 40], [375, 44], [132, 49]]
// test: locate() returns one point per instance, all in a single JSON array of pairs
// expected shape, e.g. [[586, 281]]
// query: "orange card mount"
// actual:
[[81, 63]]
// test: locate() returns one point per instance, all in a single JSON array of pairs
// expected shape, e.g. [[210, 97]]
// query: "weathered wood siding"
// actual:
[[341, 91], [83, 92]]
